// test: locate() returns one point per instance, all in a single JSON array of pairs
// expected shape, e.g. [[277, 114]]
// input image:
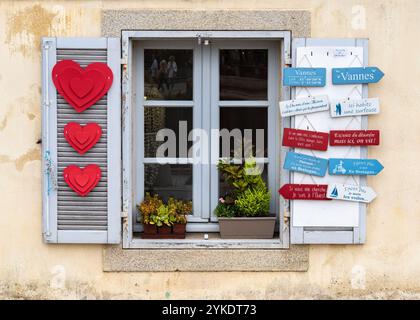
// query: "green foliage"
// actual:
[[154, 211], [224, 210], [249, 197], [241, 177], [254, 202]]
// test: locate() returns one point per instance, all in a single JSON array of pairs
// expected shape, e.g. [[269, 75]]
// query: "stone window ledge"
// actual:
[[116, 259]]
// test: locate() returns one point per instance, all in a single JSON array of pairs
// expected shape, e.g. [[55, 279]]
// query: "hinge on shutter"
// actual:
[[124, 214]]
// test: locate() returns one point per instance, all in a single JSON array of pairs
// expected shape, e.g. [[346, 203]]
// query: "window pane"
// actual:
[[243, 74], [177, 120], [168, 74], [243, 118], [225, 189], [169, 180]]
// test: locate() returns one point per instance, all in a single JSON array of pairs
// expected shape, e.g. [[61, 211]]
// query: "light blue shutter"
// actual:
[[67, 217], [332, 222]]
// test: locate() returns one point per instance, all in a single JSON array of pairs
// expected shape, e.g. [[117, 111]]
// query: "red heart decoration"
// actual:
[[82, 138], [82, 181], [81, 88]]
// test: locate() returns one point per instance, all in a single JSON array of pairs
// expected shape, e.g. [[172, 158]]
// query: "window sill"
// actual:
[[116, 259]]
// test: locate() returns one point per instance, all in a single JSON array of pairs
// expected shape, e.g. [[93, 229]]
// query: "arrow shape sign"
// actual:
[[350, 193], [303, 163], [304, 191], [370, 167], [356, 75]]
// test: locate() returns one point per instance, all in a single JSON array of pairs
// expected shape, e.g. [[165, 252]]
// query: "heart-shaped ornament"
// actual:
[[82, 181], [82, 138], [81, 88]]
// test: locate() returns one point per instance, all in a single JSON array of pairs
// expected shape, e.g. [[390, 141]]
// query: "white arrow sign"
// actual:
[[350, 193], [348, 108], [305, 105]]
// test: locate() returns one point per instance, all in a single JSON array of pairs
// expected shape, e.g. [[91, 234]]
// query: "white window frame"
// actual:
[[128, 102]]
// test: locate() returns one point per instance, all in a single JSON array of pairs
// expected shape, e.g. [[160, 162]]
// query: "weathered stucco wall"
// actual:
[[386, 266]]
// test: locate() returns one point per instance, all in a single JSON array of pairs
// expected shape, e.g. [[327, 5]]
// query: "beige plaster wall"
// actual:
[[386, 266]]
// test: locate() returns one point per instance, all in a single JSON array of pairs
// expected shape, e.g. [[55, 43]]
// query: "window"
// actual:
[[209, 87]]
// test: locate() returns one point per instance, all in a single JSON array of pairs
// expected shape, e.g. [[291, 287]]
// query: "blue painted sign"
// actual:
[[356, 75], [368, 167], [304, 77], [305, 164]]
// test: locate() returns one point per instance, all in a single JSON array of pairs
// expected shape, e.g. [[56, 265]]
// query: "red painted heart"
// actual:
[[82, 181], [82, 138], [81, 88]]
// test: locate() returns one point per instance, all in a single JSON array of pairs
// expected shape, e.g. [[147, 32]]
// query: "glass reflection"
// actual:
[[243, 74], [168, 74]]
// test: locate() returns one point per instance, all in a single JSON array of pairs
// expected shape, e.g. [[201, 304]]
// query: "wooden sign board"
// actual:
[[304, 77], [305, 164], [350, 193], [302, 106], [304, 191], [305, 139], [356, 75], [368, 167], [349, 108], [354, 137]]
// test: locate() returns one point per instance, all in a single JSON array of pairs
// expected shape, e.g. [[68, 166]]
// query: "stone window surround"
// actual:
[[116, 259]]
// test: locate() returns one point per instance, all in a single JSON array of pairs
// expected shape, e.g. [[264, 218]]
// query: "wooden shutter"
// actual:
[[67, 217], [329, 222]]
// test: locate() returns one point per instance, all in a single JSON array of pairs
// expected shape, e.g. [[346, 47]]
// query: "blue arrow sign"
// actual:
[[369, 167], [304, 77], [356, 75], [305, 164]]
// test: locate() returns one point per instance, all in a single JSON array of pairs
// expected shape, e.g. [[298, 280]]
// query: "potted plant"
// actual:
[[162, 220], [244, 212]]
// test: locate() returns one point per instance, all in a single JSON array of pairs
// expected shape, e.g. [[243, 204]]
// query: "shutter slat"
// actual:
[[97, 113]]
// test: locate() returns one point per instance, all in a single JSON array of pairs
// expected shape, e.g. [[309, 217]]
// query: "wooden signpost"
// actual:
[[304, 77], [305, 139], [354, 137], [356, 75], [304, 191], [350, 193], [348, 108], [370, 167], [302, 106], [305, 164]]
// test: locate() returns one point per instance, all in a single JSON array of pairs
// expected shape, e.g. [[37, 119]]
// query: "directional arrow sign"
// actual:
[[350, 193], [305, 139], [356, 75], [305, 164], [304, 77], [369, 167], [347, 108], [306, 105], [304, 191], [354, 137]]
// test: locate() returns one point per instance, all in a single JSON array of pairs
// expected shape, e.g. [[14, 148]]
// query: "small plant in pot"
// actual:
[[244, 212], [162, 220]]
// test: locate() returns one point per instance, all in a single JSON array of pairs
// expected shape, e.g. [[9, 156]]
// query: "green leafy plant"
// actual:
[[254, 202], [224, 210], [154, 211], [149, 207], [249, 196], [179, 209], [161, 217]]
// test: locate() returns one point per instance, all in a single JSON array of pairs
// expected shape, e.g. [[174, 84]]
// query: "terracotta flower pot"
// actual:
[[178, 228], [149, 229], [164, 230]]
